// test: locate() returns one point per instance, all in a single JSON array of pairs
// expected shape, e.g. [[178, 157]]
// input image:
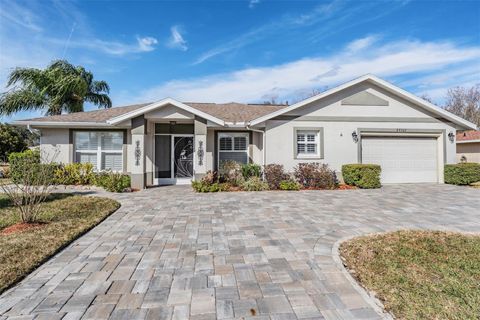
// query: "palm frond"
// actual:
[[100, 86], [15, 101], [101, 100]]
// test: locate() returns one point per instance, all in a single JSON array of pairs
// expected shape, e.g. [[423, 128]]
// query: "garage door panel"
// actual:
[[403, 160]]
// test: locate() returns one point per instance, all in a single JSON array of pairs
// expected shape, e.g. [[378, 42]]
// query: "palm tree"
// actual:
[[60, 88]]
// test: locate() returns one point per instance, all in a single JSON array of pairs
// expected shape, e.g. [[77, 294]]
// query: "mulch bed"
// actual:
[[19, 227]]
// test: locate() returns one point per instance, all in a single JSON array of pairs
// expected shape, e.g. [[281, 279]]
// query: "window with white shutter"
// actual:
[[232, 146], [103, 149], [308, 143]]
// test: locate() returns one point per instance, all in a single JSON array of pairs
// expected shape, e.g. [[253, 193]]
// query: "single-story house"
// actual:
[[366, 120], [468, 146]]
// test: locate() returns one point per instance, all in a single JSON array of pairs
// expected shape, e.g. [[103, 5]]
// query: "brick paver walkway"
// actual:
[[170, 253]]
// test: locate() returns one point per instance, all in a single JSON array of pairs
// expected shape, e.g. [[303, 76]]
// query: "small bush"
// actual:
[[5, 172], [462, 173], [31, 184], [28, 162], [365, 176], [290, 185], [274, 174], [210, 177], [251, 170], [112, 181], [202, 186], [254, 184], [315, 175], [209, 183], [231, 172], [75, 174]]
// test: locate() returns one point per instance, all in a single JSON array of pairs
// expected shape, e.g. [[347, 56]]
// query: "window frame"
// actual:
[[232, 135], [99, 152], [318, 131]]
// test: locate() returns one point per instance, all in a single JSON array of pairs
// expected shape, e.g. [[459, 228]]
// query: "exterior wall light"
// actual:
[[451, 136], [355, 136]]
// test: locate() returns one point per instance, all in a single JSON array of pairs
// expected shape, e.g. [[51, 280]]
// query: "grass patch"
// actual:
[[63, 219], [5, 181], [419, 274]]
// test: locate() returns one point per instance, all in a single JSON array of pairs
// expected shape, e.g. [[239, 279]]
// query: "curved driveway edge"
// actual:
[[169, 253], [374, 302]]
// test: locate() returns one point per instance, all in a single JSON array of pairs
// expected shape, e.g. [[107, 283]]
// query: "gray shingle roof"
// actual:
[[229, 112]]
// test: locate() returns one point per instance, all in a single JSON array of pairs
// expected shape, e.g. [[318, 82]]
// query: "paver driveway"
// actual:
[[168, 252]]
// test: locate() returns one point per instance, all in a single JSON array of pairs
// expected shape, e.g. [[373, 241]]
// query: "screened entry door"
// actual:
[[173, 159]]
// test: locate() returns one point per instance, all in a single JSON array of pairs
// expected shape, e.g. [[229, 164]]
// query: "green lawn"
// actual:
[[419, 274], [63, 219]]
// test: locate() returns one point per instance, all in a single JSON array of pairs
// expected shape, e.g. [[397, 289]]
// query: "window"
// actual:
[[308, 143], [102, 149], [233, 146]]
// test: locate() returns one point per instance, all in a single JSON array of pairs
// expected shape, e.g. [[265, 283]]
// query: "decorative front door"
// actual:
[[182, 156]]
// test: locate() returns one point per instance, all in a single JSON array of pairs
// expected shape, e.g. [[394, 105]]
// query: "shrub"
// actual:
[[112, 181], [28, 163], [290, 185], [254, 184], [30, 184], [251, 170], [210, 177], [5, 172], [274, 174], [209, 183], [315, 175], [462, 173], [231, 172], [202, 186], [365, 176], [75, 173]]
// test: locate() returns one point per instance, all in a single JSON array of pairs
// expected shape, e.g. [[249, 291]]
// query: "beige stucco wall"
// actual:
[[470, 150], [339, 121], [55, 146]]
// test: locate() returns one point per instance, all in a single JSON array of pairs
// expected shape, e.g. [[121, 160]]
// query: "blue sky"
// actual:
[[245, 51]]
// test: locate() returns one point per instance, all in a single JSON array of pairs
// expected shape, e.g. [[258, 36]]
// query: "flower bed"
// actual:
[[233, 176]]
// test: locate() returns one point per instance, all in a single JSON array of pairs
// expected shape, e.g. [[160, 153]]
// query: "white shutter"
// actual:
[[87, 158], [112, 161]]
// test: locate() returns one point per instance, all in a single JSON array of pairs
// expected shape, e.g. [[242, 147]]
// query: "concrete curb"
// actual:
[[376, 304]]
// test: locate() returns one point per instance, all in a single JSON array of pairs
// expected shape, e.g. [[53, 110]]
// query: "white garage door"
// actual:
[[403, 160]]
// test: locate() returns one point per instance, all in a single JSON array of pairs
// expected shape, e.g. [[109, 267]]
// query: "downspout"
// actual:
[[264, 147]]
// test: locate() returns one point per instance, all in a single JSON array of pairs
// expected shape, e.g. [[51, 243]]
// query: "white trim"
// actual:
[[381, 83], [69, 124], [236, 124], [468, 141], [316, 142], [159, 104]]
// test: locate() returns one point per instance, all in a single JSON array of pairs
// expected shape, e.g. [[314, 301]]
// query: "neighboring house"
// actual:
[[468, 146], [367, 120]]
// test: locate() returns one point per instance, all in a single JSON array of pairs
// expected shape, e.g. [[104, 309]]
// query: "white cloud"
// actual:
[[146, 44], [117, 48], [402, 59], [176, 40], [253, 3], [362, 43], [21, 16], [320, 13]]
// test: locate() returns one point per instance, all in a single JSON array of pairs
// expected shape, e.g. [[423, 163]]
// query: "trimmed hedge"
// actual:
[[365, 176], [462, 173]]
